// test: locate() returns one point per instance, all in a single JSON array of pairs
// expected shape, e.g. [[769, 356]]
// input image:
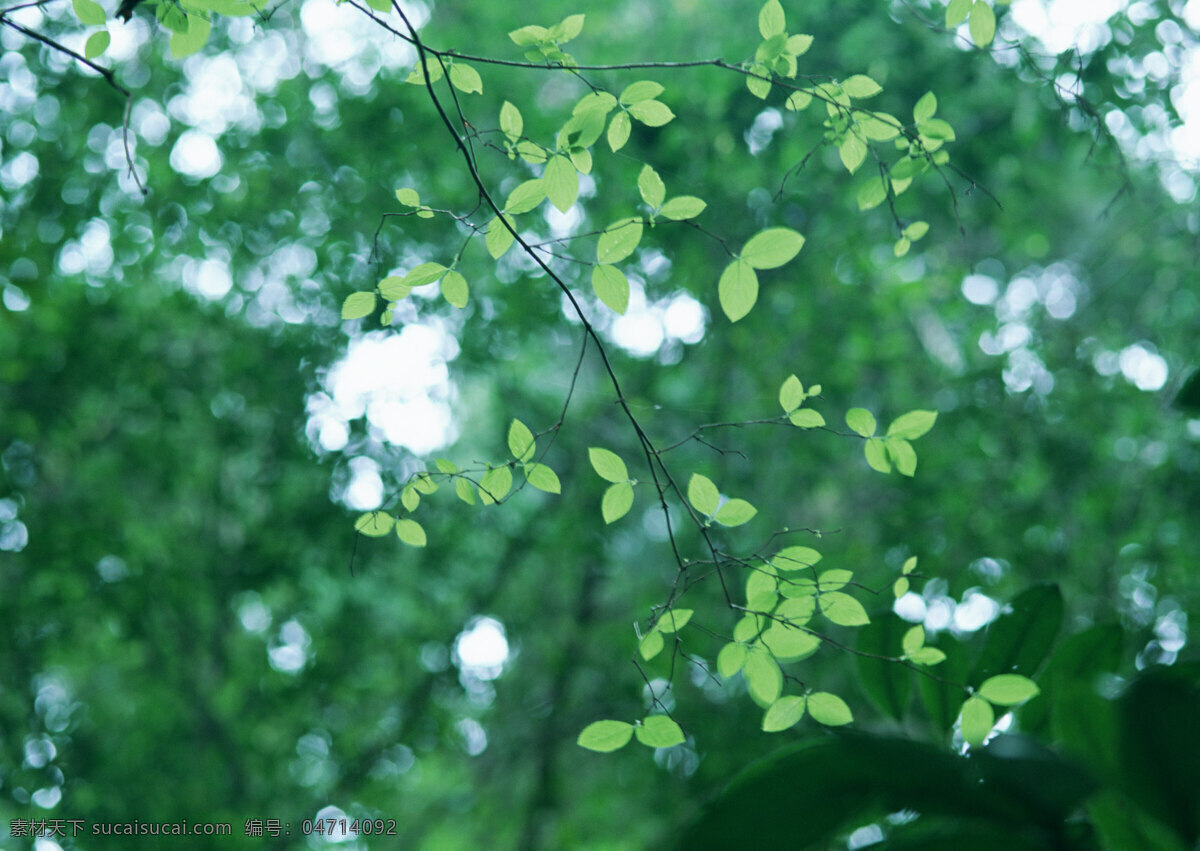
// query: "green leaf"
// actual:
[[798, 100], [465, 491], [759, 80], [445, 465], [90, 14], [842, 609], [651, 187], [408, 197], [608, 465], [618, 240], [872, 193], [852, 151], [902, 455], [829, 709], [861, 86], [499, 238], [861, 421], [410, 532], [650, 645], [424, 273], [425, 483], [184, 44], [928, 656], [764, 680], [957, 12], [783, 713], [977, 720], [901, 247], [876, 456], [542, 478], [416, 76], [682, 207], [525, 197], [562, 183], [916, 230], [771, 248], [358, 305], [795, 558], [730, 659], [567, 29], [791, 394], [770, 20], [735, 512], [746, 629], [834, 580], [789, 644], [878, 126], [900, 587], [737, 289], [913, 640], [530, 35], [455, 289], [798, 45], [925, 108], [806, 418], [96, 44], [410, 498], [703, 494], [912, 425], [617, 501], [1008, 689], [511, 122], [659, 731], [762, 591], [982, 24], [605, 736], [640, 91], [531, 153], [375, 524], [495, 485], [938, 130], [521, 442], [611, 287], [465, 78], [910, 564], [652, 113], [674, 620], [618, 131]]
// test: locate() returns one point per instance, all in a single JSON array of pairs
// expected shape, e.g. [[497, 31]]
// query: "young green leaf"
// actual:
[[982, 24], [910, 564], [806, 418], [916, 230], [861, 421], [650, 645], [798, 100], [762, 591], [976, 720], [465, 491], [417, 75], [525, 197], [735, 512], [374, 523], [758, 82], [783, 713], [659, 731], [771, 248], [928, 656], [408, 197], [902, 455], [674, 620], [511, 122], [410, 498], [878, 126], [605, 736], [682, 207], [829, 709], [730, 659], [872, 193], [96, 44], [861, 86], [455, 289], [567, 28], [184, 44], [410, 532], [608, 465], [795, 558], [876, 455], [618, 131], [747, 629], [445, 465], [957, 12], [842, 609], [640, 91], [764, 680], [529, 36], [737, 289], [465, 78], [925, 108], [531, 153], [562, 183], [852, 151], [424, 273], [651, 187], [900, 587], [791, 394], [703, 494], [770, 19], [618, 241], [912, 425], [494, 485], [789, 644], [90, 14], [1008, 689], [499, 238], [425, 483], [617, 501], [611, 287], [652, 113], [521, 442], [902, 246], [834, 580], [913, 640], [358, 305], [542, 478]]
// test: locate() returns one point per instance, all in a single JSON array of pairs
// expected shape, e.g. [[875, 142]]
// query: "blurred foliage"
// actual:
[[168, 518]]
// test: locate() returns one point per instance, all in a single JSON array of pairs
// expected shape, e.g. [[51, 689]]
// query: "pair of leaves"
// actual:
[[792, 395], [768, 249], [523, 446], [825, 708], [654, 193], [618, 498], [376, 524], [915, 650], [705, 498], [982, 23], [977, 716], [670, 621], [654, 731], [894, 448]]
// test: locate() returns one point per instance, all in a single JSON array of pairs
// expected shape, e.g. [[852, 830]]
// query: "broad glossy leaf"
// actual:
[[771, 248], [758, 81], [747, 628], [783, 713], [829, 709], [650, 645], [465, 78], [542, 478], [982, 24], [674, 620], [659, 731], [531, 153], [861, 421], [526, 197], [977, 720], [455, 289], [562, 183], [730, 659], [703, 494], [618, 131], [611, 287], [651, 187], [770, 21], [735, 512], [375, 524], [495, 485], [410, 532], [608, 465], [521, 442], [652, 113], [358, 305], [617, 501], [1008, 689], [842, 609], [640, 91], [605, 736], [764, 680], [682, 207], [912, 425], [737, 289], [619, 241]]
